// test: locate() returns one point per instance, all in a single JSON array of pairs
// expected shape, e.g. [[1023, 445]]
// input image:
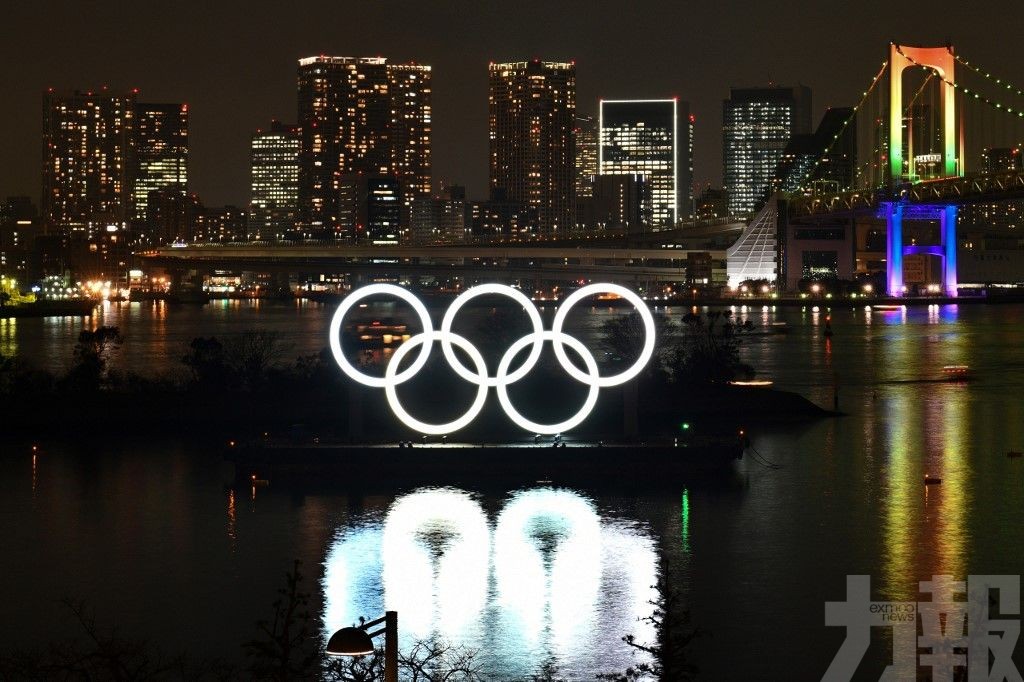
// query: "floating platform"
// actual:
[[507, 463]]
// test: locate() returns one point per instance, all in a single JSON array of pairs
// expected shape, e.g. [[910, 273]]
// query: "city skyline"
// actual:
[[233, 87]]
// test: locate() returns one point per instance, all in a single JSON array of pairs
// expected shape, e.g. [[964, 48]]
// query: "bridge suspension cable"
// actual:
[[842, 129], [998, 81]]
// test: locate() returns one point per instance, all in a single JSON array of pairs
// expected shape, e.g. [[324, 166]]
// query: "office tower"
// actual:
[[531, 117], [687, 197], [825, 160], [440, 218], [370, 208], [359, 115], [410, 135], [274, 188], [757, 125], [87, 140], [499, 216], [642, 137], [618, 202], [160, 159], [586, 156]]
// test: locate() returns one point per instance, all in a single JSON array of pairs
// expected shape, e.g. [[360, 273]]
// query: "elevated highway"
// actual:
[[550, 262]]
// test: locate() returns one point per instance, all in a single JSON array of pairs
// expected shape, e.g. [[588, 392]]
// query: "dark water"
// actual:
[[148, 533]]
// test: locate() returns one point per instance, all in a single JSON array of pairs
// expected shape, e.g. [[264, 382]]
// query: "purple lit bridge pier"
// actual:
[[894, 213]]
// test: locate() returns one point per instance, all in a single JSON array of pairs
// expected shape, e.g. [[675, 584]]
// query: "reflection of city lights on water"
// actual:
[[556, 581]]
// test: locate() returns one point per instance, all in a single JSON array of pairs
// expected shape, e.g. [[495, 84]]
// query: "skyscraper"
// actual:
[[687, 195], [757, 125], [642, 137], [531, 117], [87, 157], [827, 159], [160, 152], [274, 197], [410, 130], [359, 115], [586, 156]]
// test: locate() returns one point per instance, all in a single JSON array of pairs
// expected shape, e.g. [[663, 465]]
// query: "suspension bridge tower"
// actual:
[[941, 62]]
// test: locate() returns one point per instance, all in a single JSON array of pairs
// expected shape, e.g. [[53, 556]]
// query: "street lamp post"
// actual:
[[358, 642]]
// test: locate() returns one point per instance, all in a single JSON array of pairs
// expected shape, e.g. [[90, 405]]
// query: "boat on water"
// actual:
[[956, 372], [385, 332], [885, 308], [69, 308]]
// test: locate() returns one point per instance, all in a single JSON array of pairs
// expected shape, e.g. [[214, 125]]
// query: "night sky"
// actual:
[[234, 62]]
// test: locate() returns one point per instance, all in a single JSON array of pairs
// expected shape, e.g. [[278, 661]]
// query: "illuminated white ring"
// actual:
[[645, 315], [335, 335], [503, 290], [556, 338], [391, 382]]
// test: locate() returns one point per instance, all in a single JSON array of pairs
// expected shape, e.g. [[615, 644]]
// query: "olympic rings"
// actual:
[[346, 305], [645, 315], [392, 382], [515, 295], [557, 338], [503, 378]]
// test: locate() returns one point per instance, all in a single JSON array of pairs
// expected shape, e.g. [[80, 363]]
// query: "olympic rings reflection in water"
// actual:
[[550, 578]]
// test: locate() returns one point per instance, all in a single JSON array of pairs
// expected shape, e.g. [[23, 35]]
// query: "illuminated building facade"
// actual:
[[805, 165], [757, 125], [160, 159], [641, 137], [617, 202], [586, 156], [87, 156], [274, 187], [410, 132], [359, 115], [498, 216], [441, 218], [370, 207], [532, 122]]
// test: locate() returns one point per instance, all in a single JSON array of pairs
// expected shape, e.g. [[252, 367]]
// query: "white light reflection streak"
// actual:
[[547, 563], [435, 550]]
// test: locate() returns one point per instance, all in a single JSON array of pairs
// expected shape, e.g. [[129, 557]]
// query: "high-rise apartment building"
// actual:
[[410, 133], [757, 125], [586, 156], [104, 153], [359, 115], [531, 118], [160, 152], [644, 137], [274, 187], [87, 159]]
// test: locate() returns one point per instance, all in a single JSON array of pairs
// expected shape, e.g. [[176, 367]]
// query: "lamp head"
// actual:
[[349, 642]]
